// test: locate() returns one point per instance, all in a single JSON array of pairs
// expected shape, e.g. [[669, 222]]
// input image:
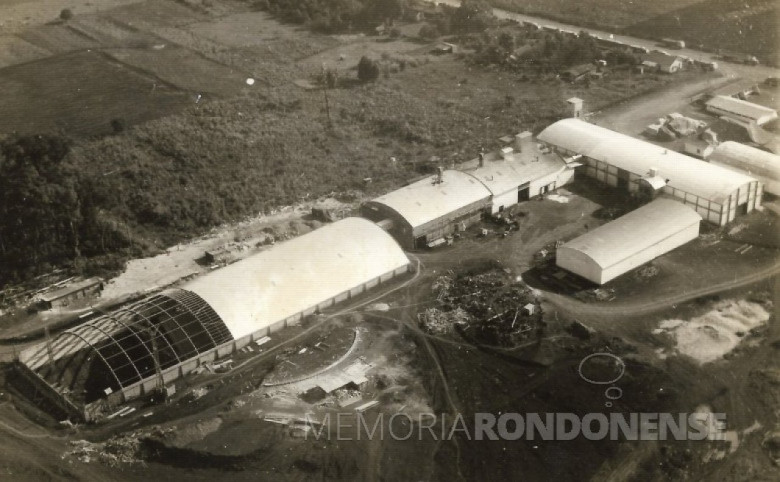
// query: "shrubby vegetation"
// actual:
[[522, 51], [334, 16]]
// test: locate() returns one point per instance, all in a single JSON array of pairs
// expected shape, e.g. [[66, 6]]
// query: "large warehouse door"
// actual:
[[523, 192], [623, 179]]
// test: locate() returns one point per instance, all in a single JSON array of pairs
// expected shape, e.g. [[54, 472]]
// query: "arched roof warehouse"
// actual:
[[761, 164], [629, 241], [176, 325], [426, 200], [299, 274], [702, 179], [118, 350]]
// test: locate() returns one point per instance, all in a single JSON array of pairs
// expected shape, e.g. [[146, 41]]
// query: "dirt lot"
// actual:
[[223, 426]]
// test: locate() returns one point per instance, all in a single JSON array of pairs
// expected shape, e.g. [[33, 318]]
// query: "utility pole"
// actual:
[[325, 81]]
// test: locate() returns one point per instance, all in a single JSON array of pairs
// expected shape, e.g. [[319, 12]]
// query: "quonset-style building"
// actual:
[[630, 241], [762, 165], [89, 369], [425, 212], [740, 110], [516, 176], [716, 193]]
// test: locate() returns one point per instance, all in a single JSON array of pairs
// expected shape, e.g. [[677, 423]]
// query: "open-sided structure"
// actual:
[[716, 193], [629, 241], [762, 165], [129, 352]]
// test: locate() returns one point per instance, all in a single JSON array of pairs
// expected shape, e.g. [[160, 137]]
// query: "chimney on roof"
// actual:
[[481, 159], [523, 141], [576, 107], [653, 172], [506, 153], [439, 175]]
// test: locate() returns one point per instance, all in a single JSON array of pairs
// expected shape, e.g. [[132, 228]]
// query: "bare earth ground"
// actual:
[[222, 436]]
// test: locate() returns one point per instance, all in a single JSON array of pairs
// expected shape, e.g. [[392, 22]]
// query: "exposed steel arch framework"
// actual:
[[178, 323]]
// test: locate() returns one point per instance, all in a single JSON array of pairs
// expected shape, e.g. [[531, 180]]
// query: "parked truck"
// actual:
[[673, 44]]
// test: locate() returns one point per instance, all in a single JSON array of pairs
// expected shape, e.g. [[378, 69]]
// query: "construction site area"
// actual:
[[614, 259]]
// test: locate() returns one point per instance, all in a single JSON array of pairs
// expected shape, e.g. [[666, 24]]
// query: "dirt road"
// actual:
[[621, 309]]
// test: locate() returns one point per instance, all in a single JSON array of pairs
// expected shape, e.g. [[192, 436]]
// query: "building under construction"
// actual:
[[88, 370]]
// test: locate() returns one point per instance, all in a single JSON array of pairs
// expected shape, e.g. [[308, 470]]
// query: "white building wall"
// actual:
[[577, 262], [550, 180], [685, 235], [506, 200]]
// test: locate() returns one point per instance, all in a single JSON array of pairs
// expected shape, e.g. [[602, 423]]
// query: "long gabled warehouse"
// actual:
[[716, 193], [126, 353], [629, 241]]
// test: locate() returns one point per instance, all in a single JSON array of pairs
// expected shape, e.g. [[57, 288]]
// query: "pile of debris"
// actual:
[[124, 449], [347, 396], [673, 126], [490, 307], [438, 322], [647, 271]]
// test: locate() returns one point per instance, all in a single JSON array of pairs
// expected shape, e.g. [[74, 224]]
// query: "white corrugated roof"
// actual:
[[741, 107], [615, 241], [501, 176], [747, 158], [691, 175], [425, 200], [298, 274]]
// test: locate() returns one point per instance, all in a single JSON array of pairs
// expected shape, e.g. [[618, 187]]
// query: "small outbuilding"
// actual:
[[66, 295], [630, 241], [668, 64]]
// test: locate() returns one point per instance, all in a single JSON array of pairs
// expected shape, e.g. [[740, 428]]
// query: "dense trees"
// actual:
[[331, 16], [39, 204], [49, 214], [367, 70], [472, 16]]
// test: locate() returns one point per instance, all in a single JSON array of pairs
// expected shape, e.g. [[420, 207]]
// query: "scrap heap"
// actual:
[[489, 307]]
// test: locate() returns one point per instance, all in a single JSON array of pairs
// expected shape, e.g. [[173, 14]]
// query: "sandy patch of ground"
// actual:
[[710, 336], [177, 262]]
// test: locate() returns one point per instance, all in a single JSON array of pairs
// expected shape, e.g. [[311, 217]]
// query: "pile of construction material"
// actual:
[[438, 322], [673, 126], [489, 307], [125, 449]]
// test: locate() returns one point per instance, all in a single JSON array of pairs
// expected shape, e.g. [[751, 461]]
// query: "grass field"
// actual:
[[744, 26], [606, 13], [751, 27], [87, 92], [14, 50], [183, 68]]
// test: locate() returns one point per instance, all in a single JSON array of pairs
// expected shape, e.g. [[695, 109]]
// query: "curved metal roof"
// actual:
[[424, 201], [615, 241], [743, 108], [754, 161], [501, 176], [298, 274], [691, 175]]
